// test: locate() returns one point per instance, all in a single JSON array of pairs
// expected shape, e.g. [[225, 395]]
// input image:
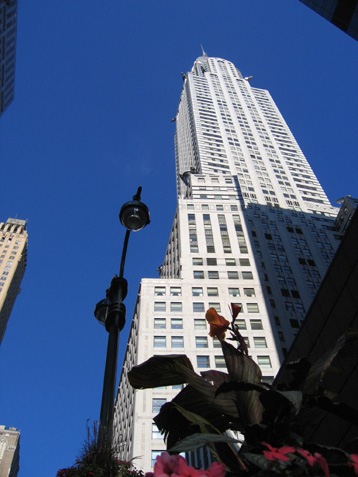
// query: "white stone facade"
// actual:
[[13, 256], [253, 226]]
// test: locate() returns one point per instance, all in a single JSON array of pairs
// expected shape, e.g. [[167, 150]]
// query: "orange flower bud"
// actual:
[[218, 324]]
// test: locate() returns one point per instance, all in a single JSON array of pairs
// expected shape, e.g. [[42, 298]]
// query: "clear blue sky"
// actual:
[[96, 86]]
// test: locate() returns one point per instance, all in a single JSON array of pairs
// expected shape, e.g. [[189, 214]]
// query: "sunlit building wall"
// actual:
[[253, 226], [9, 451], [13, 256]]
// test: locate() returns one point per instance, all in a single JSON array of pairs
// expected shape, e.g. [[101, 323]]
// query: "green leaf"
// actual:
[[160, 371], [195, 441], [177, 369], [294, 397], [259, 460], [242, 368], [216, 377]]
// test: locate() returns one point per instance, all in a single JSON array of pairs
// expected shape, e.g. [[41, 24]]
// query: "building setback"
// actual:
[[9, 451], [13, 255], [8, 27], [253, 226]]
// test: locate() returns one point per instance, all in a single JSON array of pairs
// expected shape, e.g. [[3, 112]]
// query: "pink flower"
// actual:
[[176, 466], [275, 453], [308, 456], [166, 465], [354, 462], [321, 461], [217, 469]]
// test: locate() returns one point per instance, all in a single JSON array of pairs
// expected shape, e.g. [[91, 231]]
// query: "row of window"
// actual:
[[229, 262], [202, 342], [213, 291], [201, 324], [219, 207], [214, 275], [200, 307]]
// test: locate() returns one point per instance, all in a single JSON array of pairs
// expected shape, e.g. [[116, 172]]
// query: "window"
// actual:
[[220, 362], [176, 323], [213, 274], [295, 323], [253, 308], [260, 342], [159, 342], [241, 324], [230, 262], [197, 261], [256, 325], [212, 291], [198, 307], [156, 432], [201, 341], [233, 275], [176, 306], [160, 306], [234, 292], [211, 261], [247, 275], [197, 291], [198, 274], [155, 454], [299, 308], [157, 403], [216, 306], [159, 291], [249, 292], [216, 342], [203, 361], [244, 262], [200, 325], [175, 291], [264, 361], [177, 342], [159, 323]]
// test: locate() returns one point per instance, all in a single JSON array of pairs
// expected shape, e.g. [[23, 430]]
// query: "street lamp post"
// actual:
[[111, 313]]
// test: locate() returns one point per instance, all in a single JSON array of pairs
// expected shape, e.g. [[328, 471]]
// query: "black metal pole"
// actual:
[[111, 312], [109, 382], [114, 324]]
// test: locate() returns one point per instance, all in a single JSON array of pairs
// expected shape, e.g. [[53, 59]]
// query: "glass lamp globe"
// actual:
[[134, 215]]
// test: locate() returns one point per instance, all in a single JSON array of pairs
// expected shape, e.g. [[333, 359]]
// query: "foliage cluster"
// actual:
[[252, 427], [99, 459]]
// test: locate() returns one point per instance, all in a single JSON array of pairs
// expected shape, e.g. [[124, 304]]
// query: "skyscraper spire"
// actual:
[[203, 51]]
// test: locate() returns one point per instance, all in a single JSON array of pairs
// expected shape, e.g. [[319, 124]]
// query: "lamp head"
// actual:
[[134, 215]]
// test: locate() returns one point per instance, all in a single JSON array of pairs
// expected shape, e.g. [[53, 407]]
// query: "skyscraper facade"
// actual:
[[13, 255], [8, 28], [253, 226], [9, 451]]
